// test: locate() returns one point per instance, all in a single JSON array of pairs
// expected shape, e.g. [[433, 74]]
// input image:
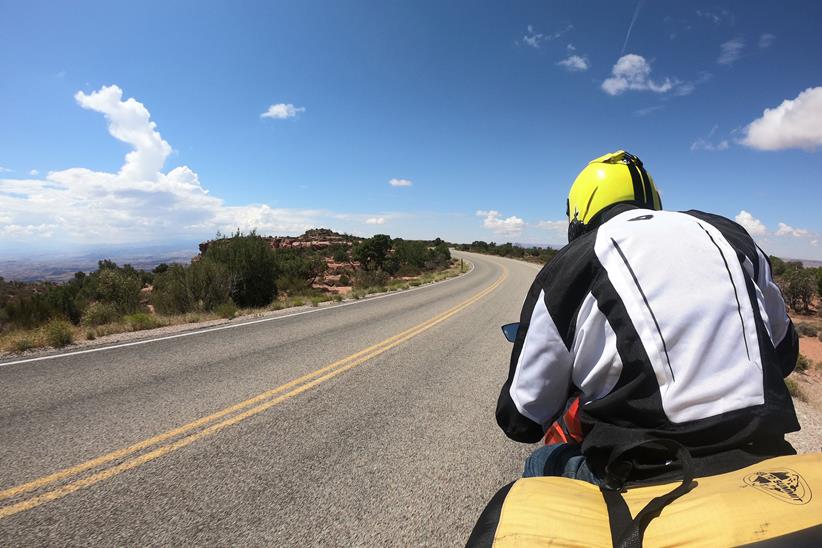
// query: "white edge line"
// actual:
[[231, 326]]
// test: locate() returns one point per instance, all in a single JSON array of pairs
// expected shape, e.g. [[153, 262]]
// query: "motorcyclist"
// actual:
[[666, 325]]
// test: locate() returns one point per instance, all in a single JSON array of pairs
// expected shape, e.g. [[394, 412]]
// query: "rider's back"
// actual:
[[669, 325]]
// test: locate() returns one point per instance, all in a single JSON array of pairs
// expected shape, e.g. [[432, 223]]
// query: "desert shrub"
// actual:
[[226, 310], [358, 294], [297, 270], [118, 288], [370, 278], [91, 335], [208, 284], [21, 344], [339, 253], [297, 301], [344, 280], [337, 297], [203, 285], [819, 336], [798, 285], [98, 313], [806, 330], [794, 390], [141, 321], [58, 333], [250, 264], [372, 252], [802, 363]]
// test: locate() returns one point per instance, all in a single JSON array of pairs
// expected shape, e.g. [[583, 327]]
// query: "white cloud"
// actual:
[[375, 221], [750, 223], [730, 51], [648, 110], [138, 203], [5, 170], [716, 16], [34, 173], [535, 39], [510, 226], [282, 111], [400, 182], [796, 123], [561, 226], [787, 230], [706, 143], [574, 63], [633, 72], [766, 40]]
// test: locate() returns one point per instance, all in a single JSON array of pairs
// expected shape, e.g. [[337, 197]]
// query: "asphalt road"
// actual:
[[279, 433]]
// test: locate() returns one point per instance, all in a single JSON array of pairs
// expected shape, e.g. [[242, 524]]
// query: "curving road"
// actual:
[[365, 424]]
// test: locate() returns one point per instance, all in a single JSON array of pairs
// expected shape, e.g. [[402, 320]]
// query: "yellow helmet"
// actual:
[[611, 179]]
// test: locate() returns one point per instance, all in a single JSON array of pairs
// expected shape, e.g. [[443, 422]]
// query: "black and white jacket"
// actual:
[[668, 325]]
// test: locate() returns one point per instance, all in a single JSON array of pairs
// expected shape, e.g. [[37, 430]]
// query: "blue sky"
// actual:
[[486, 111]]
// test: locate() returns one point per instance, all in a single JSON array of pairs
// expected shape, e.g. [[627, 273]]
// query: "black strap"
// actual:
[[625, 531]]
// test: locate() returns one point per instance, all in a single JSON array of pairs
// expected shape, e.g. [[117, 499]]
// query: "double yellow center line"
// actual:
[[112, 463]]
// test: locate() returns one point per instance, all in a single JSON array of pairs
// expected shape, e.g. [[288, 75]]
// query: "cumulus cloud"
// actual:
[[766, 40], [138, 203], [400, 182], [574, 63], [757, 228], [633, 72], [730, 51], [34, 173], [510, 226], [753, 225], [787, 230], [375, 221], [796, 123], [282, 111]]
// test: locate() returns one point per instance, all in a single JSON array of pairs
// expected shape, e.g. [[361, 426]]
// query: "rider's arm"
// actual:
[[539, 376], [783, 335]]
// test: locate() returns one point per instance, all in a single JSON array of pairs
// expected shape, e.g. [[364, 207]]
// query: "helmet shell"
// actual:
[[611, 179]]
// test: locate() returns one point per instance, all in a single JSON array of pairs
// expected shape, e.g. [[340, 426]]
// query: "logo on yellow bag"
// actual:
[[785, 485]]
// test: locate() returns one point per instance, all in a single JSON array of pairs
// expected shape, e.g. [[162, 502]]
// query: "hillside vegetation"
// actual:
[[234, 273]]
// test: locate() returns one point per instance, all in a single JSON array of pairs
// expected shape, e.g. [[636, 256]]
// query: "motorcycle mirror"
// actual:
[[510, 331]]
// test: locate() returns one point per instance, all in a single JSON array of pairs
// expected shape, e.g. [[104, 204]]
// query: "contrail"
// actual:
[[631, 26]]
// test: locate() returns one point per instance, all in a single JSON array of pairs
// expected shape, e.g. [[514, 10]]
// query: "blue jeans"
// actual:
[[561, 459]]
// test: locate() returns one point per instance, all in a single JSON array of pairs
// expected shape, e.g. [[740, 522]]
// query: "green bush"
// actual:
[[226, 310], [141, 321], [119, 289], [91, 335], [98, 313], [337, 297], [344, 281], [249, 261], [203, 285], [58, 333]]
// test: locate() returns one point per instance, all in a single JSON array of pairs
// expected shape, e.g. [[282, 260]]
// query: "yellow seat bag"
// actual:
[[777, 502]]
